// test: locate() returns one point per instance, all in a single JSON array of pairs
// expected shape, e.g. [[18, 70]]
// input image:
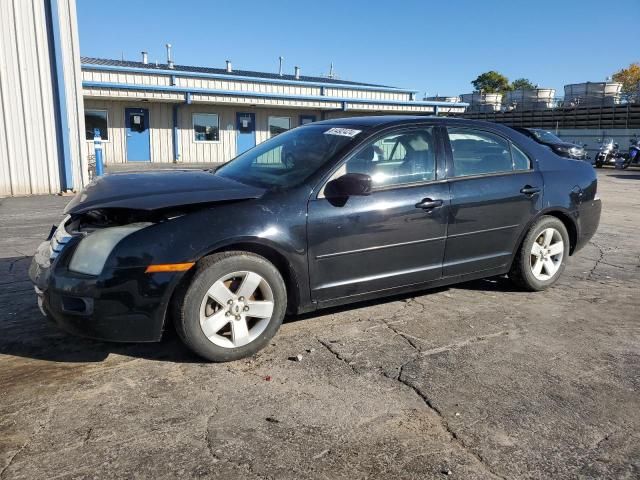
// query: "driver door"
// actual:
[[391, 238]]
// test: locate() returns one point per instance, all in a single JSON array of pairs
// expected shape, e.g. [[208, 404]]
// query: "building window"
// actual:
[[206, 127], [96, 119], [277, 125]]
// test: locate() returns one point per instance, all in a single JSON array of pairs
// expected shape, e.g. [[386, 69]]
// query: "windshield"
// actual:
[[545, 136], [289, 158]]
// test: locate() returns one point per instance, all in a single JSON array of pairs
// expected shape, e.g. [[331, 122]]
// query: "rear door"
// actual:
[[391, 238], [495, 190]]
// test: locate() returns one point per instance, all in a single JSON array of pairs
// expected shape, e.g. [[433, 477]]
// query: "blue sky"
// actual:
[[437, 47]]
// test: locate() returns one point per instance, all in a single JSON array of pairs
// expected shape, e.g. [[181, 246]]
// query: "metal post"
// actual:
[[97, 146], [176, 135]]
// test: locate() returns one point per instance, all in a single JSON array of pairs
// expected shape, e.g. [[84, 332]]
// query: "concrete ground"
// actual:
[[475, 381]]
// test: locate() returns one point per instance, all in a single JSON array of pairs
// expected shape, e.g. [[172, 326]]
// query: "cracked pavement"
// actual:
[[479, 380]]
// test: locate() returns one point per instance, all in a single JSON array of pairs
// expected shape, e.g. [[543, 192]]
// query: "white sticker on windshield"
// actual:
[[343, 132]]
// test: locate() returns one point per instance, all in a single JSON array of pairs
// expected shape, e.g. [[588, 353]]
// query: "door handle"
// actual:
[[529, 190], [428, 204]]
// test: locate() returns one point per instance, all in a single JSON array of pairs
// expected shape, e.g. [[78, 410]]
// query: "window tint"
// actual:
[[288, 159], [96, 119], [206, 127], [278, 125], [478, 153], [520, 160], [400, 158]]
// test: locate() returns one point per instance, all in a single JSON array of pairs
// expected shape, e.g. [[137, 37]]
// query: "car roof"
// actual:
[[381, 121]]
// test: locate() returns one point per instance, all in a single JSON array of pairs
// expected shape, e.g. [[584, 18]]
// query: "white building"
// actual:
[[41, 110], [173, 113], [52, 101]]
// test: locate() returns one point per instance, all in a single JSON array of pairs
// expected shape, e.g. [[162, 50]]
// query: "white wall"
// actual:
[[29, 143], [593, 137], [190, 151], [232, 84]]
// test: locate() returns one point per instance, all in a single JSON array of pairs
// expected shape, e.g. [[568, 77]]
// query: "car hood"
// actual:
[[159, 189]]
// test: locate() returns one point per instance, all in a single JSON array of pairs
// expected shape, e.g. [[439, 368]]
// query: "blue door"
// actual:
[[136, 122], [304, 119], [246, 126]]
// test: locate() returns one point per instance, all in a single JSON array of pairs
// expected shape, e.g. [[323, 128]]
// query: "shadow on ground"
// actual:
[[25, 332], [626, 177]]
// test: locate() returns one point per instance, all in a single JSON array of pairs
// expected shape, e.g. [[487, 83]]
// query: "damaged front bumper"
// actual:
[[120, 304]]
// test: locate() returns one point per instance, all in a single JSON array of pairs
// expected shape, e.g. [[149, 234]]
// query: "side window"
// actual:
[[477, 153], [520, 160], [397, 159]]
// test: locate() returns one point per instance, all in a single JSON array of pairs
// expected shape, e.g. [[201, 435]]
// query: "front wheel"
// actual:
[[542, 256], [599, 161], [233, 306]]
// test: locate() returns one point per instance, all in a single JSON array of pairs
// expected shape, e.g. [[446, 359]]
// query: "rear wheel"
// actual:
[[234, 305], [542, 256]]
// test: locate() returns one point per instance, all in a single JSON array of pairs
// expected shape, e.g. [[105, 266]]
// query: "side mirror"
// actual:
[[351, 184]]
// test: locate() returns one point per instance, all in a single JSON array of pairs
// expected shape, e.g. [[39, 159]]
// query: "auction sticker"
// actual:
[[343, 132]]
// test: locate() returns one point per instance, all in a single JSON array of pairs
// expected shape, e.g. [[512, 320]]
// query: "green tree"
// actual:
[[491, 82], [522, 83], [629, 77]]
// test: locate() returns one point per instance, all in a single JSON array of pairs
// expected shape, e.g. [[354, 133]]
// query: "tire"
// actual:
[[597, 163], [213, 302], [538, 272]]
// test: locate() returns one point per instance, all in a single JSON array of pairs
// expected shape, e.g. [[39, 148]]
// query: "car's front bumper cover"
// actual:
[[121, 304]]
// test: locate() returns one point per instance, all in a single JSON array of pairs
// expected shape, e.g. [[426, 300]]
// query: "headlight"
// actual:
[[93, 250]]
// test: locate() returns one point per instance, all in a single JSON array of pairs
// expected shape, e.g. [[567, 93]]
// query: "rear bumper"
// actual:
[[588, 221], [121, 305]]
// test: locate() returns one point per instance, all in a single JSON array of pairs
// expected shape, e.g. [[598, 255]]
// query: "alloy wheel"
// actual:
[[547, 253], [236, 309]]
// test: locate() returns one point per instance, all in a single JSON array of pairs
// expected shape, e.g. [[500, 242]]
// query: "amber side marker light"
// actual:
[[169, 267]]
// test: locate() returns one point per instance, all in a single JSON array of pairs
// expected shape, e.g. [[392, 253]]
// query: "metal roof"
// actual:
[[222, 71]]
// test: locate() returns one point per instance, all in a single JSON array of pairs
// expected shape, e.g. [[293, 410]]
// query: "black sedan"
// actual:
[[370, 207], [559, 146]]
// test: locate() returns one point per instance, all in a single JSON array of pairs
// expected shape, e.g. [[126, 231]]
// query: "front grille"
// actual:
[[59, 240]]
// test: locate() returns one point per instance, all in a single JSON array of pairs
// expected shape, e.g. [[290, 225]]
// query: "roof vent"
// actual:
[[297, 74], [229, 69], [281, 60], [145, 57], [169, 59]]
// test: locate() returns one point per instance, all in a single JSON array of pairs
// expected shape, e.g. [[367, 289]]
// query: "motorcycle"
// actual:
[[634, 155], [608, 154]]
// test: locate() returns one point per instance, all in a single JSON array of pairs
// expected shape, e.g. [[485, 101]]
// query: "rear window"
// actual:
[[476, 152]]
